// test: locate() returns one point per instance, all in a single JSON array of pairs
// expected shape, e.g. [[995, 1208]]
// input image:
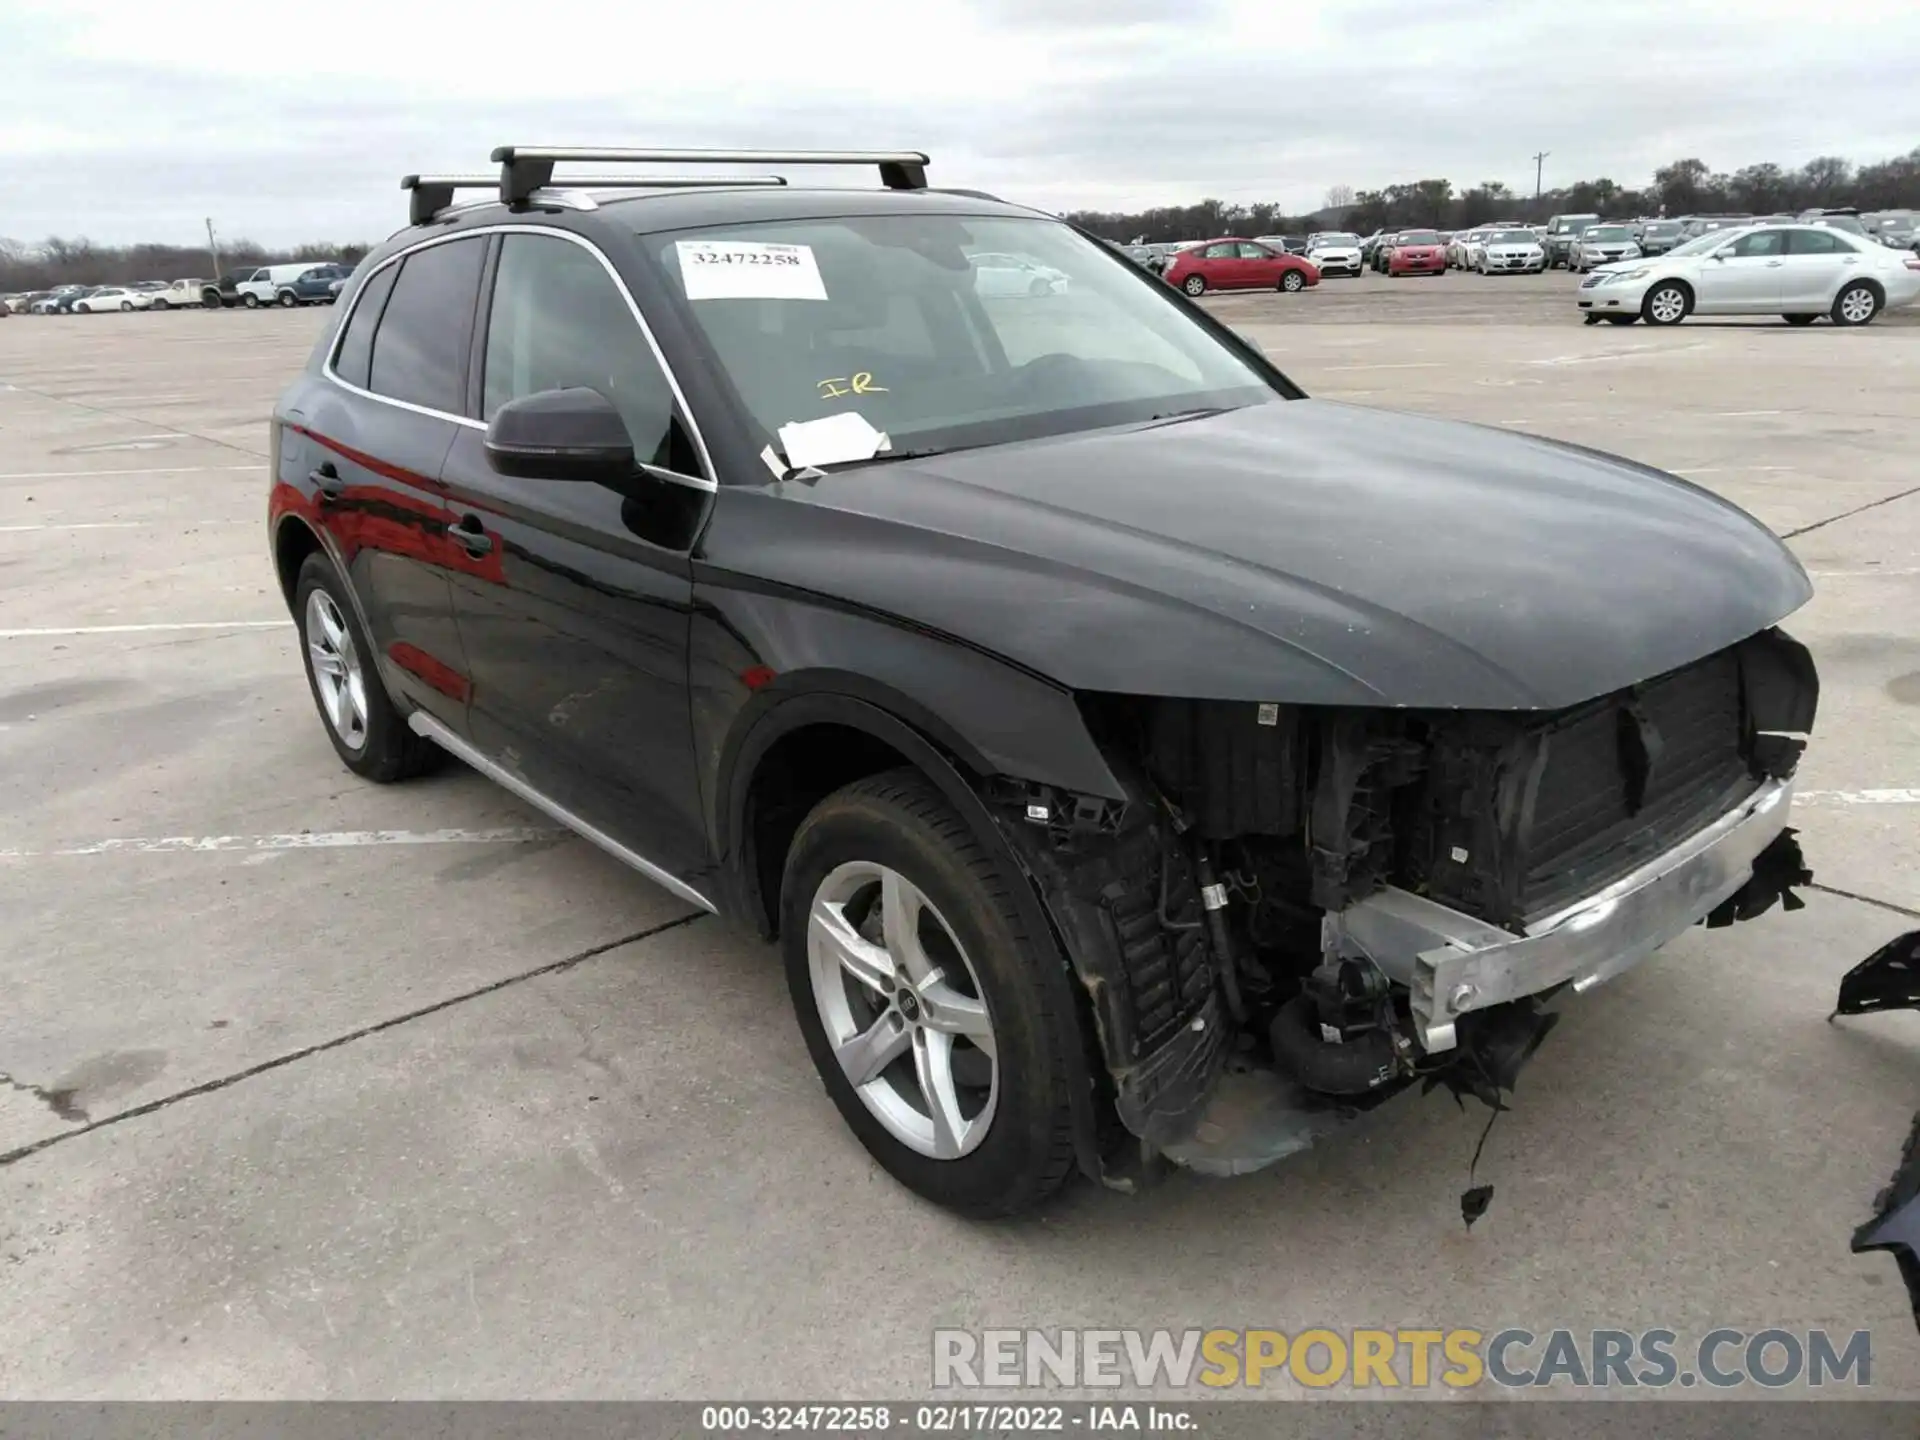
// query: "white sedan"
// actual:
[[1798, 272], [996, 274], [111, 298], [1503, 251], [1336, 252]]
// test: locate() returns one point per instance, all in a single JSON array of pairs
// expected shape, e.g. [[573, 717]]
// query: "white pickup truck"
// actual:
[[180, 295]]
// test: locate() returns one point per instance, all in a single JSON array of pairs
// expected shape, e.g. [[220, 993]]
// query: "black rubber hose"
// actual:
[[1357, 1066], [1213, 901]]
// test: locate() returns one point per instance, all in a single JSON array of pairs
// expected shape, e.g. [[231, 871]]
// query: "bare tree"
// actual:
[[1339, 197]]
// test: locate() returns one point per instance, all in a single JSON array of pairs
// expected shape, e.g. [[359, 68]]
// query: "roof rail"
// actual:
[[526, 168], [433, 193]]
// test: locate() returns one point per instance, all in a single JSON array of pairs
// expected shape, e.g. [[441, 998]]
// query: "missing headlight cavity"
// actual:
[[1323, 882]]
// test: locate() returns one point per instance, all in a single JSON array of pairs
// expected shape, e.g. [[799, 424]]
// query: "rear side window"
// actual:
[[558, 321], [355, 352], [420, 349], [1816, 242]]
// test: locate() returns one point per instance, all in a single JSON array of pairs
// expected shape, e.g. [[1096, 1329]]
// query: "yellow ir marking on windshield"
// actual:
[[857, 384]]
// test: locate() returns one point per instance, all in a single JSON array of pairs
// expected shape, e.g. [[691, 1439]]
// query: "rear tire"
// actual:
[[287, 300], [126, 305], [1194, 285], [964, 948], [1856, 304], [368, 732], [1800, 319]]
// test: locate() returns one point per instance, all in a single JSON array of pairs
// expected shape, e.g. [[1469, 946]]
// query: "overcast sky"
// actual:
[[122, 120]]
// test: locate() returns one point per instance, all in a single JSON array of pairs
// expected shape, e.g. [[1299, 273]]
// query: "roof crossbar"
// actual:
[[433, 193], [526, 168]]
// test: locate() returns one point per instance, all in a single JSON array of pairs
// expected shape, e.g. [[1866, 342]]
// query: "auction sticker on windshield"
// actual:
[[749, 270]]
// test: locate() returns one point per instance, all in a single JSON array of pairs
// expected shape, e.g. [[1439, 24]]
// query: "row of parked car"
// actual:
[[302, 283]]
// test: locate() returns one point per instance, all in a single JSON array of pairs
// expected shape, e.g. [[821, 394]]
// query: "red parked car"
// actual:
[[1417, 252], [1230, 264]]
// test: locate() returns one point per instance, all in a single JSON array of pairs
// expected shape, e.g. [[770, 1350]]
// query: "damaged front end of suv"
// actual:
[[1300, 911]]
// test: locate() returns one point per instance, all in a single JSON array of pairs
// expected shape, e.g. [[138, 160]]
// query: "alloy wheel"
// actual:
[[337, 672], [1857, 305], [1667, 305], [902, 1010]]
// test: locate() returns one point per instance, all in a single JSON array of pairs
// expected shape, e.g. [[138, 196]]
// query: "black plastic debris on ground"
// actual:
[[1895, 1225], [1888, 979]]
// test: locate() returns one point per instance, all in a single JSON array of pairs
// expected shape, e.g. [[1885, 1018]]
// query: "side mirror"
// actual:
[[571, 434]]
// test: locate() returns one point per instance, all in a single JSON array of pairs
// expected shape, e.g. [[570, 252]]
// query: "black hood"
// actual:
[[1298, 551]]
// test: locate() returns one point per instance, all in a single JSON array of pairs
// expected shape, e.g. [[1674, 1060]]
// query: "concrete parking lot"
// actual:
[[317, 1088]]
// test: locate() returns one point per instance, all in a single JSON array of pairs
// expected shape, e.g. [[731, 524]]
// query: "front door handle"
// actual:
[[327, 481], [470, 535], [1773, 264]]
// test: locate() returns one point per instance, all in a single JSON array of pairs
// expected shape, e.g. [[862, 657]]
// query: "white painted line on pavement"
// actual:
[[143, 629], [1863, 573], [161, 470], [1393, 365], [1858, 797], [306, 840], [183, 521], [1739, 470], [1743, 414]]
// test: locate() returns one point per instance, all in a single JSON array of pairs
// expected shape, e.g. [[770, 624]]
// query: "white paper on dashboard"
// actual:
[[749, 270], [834, 440]]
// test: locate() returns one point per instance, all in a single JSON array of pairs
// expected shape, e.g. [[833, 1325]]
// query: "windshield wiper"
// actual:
[[1174, 417]]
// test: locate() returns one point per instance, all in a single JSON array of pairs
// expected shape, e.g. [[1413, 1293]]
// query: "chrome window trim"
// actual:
[[705, 481]]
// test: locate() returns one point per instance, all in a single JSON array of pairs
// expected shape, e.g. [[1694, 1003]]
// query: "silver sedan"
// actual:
[[1798, 272]]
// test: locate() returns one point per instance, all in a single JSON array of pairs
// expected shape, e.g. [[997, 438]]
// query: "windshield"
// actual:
[[1511, 237], [1843, 222], [918, 325], [1335, 239], [1420, 237], [1608, 234], [1703, 244], [1664, 227]]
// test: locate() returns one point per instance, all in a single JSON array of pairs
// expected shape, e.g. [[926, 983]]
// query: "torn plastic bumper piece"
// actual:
[[1895, 1226], [1453, 963], [1888, 979]]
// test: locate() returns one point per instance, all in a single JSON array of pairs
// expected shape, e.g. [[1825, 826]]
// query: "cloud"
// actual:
[[1058, 103]]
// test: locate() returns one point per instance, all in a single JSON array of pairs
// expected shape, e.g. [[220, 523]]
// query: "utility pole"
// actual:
[[1539, 164], [213, 249]]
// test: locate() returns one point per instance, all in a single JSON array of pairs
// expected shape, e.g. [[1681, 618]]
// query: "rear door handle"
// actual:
[[470, 535], [327, 481]]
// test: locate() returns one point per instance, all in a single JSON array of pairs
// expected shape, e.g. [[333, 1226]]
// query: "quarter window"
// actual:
[[420, 349], [354, 356], [558, 321]]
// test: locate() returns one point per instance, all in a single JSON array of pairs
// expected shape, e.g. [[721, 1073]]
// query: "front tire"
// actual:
[[1194, 285], [1856, 304], [1667, 303], [250, 300], [1293, 282], [943, 1030], [368, 733], [160, 305]]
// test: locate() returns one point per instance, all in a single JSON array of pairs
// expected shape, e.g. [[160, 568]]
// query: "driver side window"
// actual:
[[1220, 252], [559, 320], [1761, 242]]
